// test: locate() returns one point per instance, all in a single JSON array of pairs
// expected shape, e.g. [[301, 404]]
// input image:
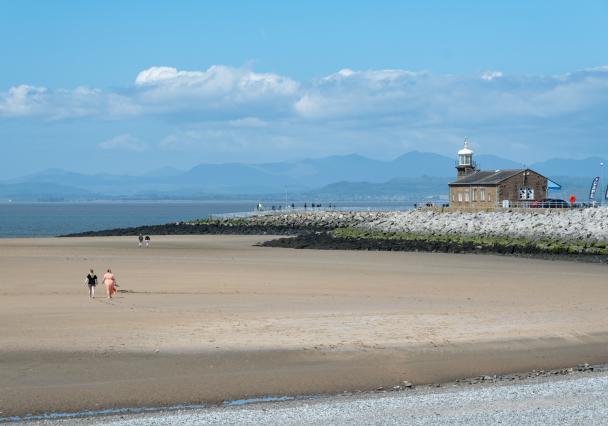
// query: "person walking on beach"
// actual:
[[91, 282], [141, 239], [147, 238], [110, 282]]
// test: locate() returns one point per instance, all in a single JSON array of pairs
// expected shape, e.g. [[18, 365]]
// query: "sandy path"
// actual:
[[212, 317]]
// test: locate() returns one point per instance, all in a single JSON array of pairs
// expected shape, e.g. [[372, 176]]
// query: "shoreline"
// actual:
[[575, 396], [405, 389], [140, 380]]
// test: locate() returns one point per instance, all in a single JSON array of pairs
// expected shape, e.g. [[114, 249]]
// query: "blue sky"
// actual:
[[133, 86]]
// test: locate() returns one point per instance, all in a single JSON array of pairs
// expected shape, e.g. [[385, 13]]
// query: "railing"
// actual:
[[473, 164], [280, 209], [409, 205], [550, 204]]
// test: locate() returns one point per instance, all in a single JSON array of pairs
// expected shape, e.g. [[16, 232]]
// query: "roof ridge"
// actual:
[[487, 177]]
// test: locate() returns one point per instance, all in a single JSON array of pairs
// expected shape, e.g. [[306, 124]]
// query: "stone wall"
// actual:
[[490, 196], [509, 189], [585, 224]]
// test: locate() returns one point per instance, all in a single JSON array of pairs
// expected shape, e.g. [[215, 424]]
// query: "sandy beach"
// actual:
[[210, 318]]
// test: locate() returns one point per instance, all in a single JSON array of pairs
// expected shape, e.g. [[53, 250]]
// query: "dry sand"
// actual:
[[208, 318]]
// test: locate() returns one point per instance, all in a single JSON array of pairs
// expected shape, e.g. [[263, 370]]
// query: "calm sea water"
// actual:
[[51, 219]]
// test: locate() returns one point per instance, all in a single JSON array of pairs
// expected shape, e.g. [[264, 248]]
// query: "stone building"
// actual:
[[475, 188]]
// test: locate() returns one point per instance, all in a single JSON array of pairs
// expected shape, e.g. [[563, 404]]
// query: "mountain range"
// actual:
[[414, 174]]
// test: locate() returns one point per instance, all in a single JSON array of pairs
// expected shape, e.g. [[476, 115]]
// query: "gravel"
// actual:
[[581, 398]]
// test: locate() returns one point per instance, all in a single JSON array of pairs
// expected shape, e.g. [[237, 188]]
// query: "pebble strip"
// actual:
[[572, 400]]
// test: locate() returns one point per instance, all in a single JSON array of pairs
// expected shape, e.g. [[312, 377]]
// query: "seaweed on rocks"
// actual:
[[207, 227], [354, 239]]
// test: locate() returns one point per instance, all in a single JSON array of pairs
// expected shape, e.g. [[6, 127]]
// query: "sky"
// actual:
[[128, 87]]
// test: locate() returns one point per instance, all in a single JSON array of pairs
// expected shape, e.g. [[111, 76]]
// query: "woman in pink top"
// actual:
[[110, 282]]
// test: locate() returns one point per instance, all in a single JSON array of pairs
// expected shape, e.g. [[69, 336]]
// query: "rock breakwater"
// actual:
[[577, 234], [587, 225]]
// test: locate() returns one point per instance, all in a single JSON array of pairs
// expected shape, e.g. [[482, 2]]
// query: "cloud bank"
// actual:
[[246, 109], [237, 93]]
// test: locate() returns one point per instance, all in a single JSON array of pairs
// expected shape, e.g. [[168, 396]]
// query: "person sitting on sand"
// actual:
[[147, 240], [91, 282], [110, 282]]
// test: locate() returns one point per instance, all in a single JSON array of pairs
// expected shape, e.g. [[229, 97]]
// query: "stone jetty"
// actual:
[[577, 225], [589, 225]]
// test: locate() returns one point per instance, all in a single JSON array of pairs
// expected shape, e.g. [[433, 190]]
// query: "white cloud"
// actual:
[[423, 99], [157, 74], [380, 76], [232, 109], [218, 91], [124, 142], [22, 100], [371, 93], [217, 79], [239, 96], [491, 75], [40, 102]]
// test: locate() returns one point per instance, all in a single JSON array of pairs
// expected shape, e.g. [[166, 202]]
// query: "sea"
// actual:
[[49, 219]]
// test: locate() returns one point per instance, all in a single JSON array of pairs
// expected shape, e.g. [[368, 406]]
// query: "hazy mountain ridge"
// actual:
[[411, 175]]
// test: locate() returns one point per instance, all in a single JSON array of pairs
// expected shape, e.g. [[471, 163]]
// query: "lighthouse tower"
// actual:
[[465, 164]]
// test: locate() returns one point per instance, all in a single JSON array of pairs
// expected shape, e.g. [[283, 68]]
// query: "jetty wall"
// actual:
[[590, 225]]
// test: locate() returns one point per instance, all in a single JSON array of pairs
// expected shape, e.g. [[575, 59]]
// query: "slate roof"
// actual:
[[487, 177]]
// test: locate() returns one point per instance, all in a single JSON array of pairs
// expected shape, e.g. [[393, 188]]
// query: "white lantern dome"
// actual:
[[465, 149], [465, 159]]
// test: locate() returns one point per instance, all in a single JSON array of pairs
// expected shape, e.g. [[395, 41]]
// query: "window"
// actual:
[[473, 194], [464, 160], [482, 194], [526, 193], [460, 197], [453, 197], [466, 197]]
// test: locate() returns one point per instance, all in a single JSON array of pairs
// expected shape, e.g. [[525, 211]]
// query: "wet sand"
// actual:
[[574, 399], [208, 318]]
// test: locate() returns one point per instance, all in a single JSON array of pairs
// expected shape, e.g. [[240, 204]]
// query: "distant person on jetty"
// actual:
[[141, 239], [110, 282], [147, 238], [91, 282]]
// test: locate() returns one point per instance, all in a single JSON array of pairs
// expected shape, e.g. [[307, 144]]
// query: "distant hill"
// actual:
[[414, 174], [492, 162], [43, 192], [588, 167], [406, 188], [163, 172]]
